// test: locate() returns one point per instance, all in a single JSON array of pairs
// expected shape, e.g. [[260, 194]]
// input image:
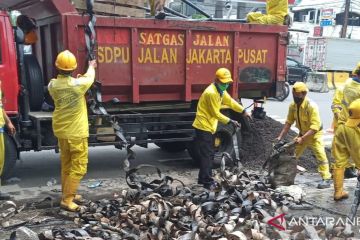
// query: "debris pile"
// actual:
[[256, 144], [242, 207]]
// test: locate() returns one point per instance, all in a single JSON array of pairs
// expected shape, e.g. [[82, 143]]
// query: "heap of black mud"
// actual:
[[256, 144]]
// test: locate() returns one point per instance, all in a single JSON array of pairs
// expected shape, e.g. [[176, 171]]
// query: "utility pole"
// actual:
[[346, 19]]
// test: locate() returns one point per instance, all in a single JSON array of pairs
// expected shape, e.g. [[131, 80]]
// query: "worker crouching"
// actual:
[[306, 115], [207, 116], [70, 124], [276, 13], [346, 144]]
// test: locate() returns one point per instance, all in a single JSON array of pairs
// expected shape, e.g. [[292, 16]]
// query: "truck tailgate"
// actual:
[[146, 60]]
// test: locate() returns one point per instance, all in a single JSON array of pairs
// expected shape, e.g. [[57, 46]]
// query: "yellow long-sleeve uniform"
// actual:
[[347, 139], [337, 106], [70, 121], [276, 10], [346, 144], [208, 109], [307, 118], [351, 92], [2, 143]]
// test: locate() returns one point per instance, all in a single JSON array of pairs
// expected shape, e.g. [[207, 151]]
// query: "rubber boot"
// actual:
[[78, 198], [70, 188], [338, 175]]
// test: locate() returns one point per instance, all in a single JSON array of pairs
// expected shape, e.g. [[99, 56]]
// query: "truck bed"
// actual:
[[148, 60]]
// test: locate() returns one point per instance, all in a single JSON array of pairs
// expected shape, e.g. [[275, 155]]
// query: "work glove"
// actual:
[[235, 123]]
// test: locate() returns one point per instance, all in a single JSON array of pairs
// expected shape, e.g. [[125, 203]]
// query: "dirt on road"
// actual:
[[256, 144]]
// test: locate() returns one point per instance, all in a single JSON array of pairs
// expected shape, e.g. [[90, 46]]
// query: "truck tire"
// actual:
[[285, 92], [34, 82], [10, 157], [225, 134], [172, 147]]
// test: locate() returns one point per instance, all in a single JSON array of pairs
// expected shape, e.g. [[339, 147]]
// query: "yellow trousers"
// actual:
[[346, 144], [2, 153], [316, 144], [349, 162], [74, 157], [256, 17]]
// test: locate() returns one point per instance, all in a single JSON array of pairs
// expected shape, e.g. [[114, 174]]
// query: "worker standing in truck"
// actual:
[[346, 145], [306, 115], [207, 116], [4, 121], [70, 124], [276, 13], [336, 107]]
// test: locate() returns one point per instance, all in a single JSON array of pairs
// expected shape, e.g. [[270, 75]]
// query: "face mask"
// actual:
[[298, 100], [223, 86]]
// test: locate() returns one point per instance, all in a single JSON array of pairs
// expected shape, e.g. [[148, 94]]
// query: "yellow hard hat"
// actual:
[[300, 87], [354, 114], [224, 75], [30, 37], [357, 68], [66, 61]]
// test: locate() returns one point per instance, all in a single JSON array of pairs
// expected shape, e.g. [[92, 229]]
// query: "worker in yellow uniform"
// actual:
[[70, 124], [4, 121], [346, 145], [306, 115], [276, 13], [351, 92], [336, 107], [207, 116]]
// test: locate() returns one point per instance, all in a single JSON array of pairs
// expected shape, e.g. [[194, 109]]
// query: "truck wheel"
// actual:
[[34, 82], [285, 92], [172, 147], [224, 142], [10, 157]]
